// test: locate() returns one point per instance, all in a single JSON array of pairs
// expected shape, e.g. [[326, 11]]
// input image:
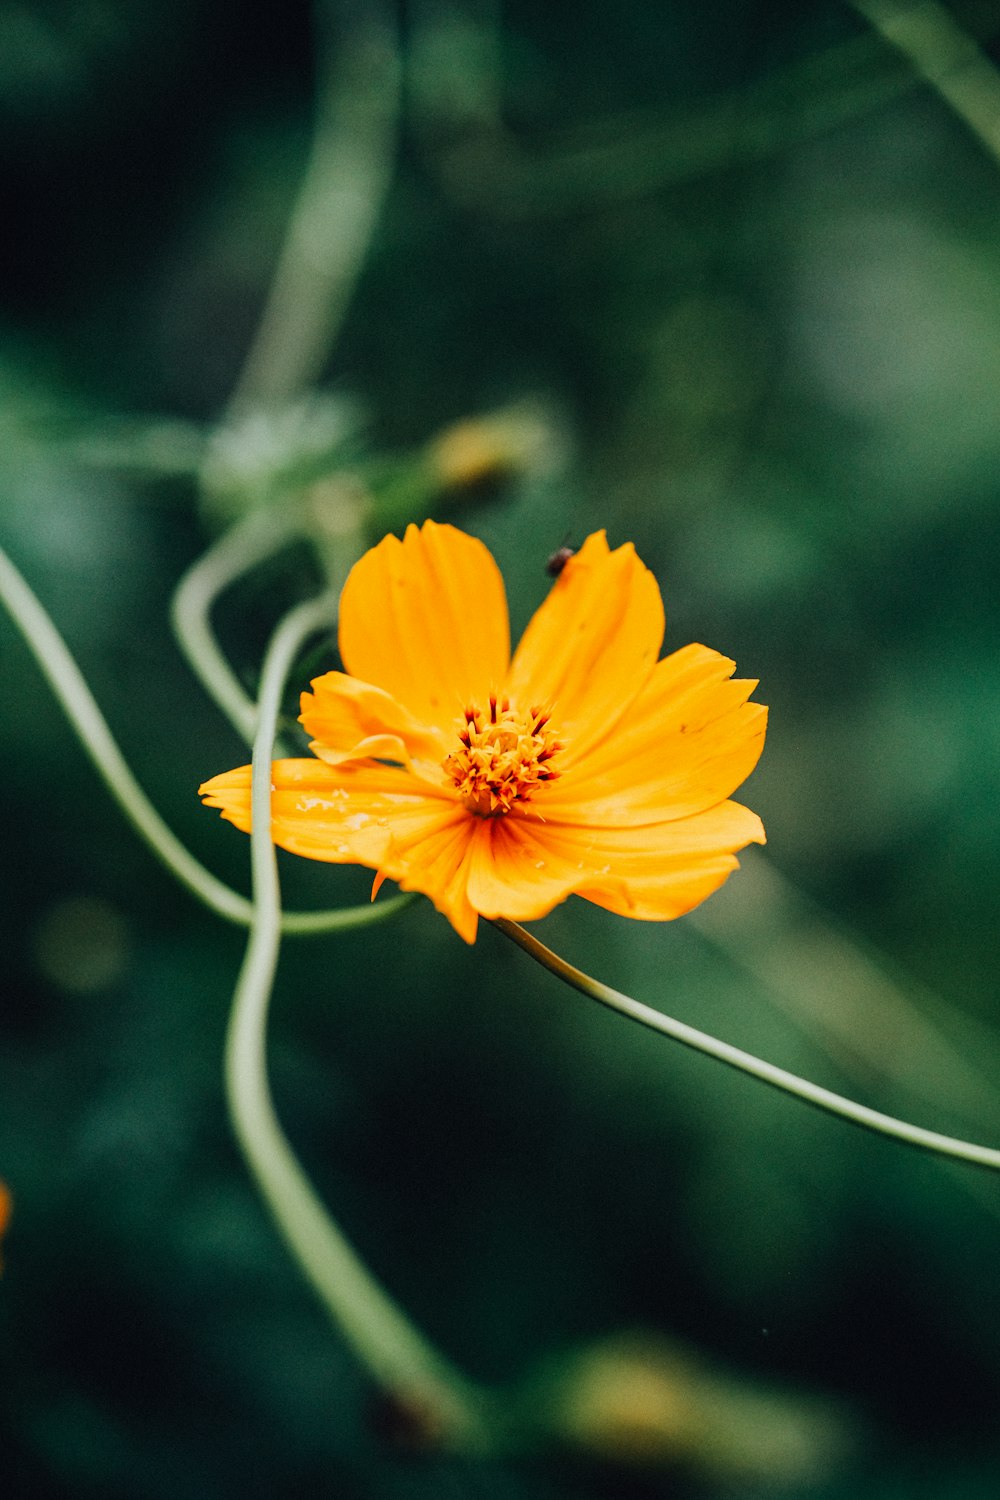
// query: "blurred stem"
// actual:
[[789, 1083], [484, 163], [77, 702], [345, 182], [945, 57], [397, 1356], [258, 536]]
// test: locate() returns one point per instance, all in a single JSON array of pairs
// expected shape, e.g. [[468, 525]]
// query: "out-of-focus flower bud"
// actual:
[[643, 1400], [483, 450], [6, 1208]]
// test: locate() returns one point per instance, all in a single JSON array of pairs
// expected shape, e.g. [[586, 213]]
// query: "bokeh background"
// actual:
[[736, 271]]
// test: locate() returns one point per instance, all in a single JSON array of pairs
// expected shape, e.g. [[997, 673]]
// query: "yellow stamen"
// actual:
[[504, 757]]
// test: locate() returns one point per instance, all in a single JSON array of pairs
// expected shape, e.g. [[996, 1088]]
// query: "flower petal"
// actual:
[[352, 720], [655, 872], [425, 619], [592, 644], [662, 870], [511, 875], [366, 814], [687, 742]]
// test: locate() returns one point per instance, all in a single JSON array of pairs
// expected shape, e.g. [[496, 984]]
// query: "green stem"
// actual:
[[77, 702], [345, 183], [398, 1357], [790, 945], [745, 1062], [946, 57], [258, 536], [484, 163]]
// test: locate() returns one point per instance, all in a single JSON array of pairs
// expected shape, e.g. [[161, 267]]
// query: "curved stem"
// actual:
[[399, 1358], [77, 702], [790, 945], [745, 1062], [258, 536]]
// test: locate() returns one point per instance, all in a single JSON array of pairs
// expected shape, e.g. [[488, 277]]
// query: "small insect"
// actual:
[[559, 559]]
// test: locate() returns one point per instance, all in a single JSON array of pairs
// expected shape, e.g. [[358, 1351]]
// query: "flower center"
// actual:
[[504, 756]]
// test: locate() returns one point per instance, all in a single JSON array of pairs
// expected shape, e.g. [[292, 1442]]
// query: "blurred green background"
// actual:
[[740, 264]]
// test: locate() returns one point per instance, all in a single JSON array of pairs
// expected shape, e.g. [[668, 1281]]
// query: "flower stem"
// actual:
[[745, 1062], [395, 1353], [77, 702], [258, 536]]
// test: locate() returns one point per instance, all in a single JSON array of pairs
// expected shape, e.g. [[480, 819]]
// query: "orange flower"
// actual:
[[6, 1209], [499, 787]]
